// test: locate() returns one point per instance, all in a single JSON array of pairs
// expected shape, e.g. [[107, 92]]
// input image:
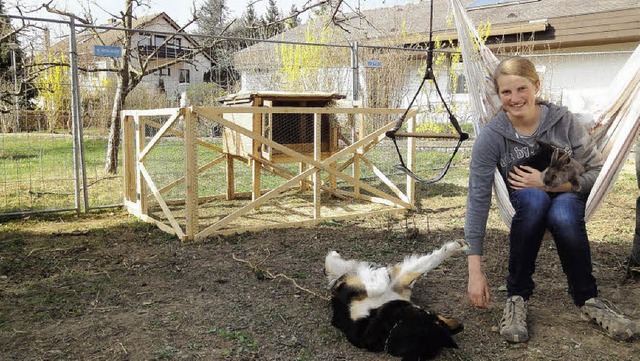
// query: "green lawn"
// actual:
[[38, 170]]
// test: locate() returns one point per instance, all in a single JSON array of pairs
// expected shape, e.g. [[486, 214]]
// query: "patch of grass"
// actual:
[[304, 354], [38, 172], [300, 275], [241, 339], [51, 302], [5, 322], [166, 353]]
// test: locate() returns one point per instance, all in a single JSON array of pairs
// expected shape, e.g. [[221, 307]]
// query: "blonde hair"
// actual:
[[517, 66]]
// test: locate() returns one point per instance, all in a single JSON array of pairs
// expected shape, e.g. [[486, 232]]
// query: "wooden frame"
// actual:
[[139, 182]]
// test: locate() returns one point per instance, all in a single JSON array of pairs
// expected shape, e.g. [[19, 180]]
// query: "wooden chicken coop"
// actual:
[[293, 130], [195, 185]]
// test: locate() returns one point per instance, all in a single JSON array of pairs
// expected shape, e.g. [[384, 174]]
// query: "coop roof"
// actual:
[[279, 95]]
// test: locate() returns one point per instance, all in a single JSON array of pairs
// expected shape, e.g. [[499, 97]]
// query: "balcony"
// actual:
[[165, 51]]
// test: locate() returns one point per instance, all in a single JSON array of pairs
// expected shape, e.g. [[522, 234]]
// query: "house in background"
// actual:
[[574, 45], [177, 60]]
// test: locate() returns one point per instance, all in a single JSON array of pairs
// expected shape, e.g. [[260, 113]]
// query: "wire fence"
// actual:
[[53, 159]]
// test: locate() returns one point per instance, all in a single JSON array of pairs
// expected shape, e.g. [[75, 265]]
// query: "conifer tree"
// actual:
[[272, 19]]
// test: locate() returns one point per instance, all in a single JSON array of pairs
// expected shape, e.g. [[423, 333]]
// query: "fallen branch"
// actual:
[[265, 273]]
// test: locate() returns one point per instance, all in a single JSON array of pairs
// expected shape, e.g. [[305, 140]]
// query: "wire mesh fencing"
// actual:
[[47, 166]]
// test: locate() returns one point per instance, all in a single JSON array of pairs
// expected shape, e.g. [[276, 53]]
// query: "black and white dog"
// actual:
[[372, 306]]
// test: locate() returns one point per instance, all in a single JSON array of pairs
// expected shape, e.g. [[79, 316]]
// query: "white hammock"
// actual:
[[616, 124]]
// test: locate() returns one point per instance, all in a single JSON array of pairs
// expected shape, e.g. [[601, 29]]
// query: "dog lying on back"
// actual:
[[556, 166], [372, 306]]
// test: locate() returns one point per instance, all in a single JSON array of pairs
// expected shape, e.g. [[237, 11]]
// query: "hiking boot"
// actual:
[[616, 325], [513, 326]]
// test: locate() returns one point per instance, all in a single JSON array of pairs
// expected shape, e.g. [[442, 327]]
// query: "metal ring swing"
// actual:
[[393, 133]]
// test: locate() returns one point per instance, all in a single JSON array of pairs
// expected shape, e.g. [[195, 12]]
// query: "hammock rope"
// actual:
[[394, 132], [616, 123]]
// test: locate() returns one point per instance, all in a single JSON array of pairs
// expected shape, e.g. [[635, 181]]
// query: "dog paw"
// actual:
[[464, 246], [333, 254], [457, 245]]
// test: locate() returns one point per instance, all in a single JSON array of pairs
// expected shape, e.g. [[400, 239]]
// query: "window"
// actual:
[[159, 40], [461, 85], [145, 40], [491, 3], [165, 70], [177, 42], [184, 76]]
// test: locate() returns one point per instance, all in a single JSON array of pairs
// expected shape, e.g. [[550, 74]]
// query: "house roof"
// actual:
[[555, 22], [87, 39]]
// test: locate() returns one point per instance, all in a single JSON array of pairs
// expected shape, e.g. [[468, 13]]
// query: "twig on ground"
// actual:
[[272, 276]]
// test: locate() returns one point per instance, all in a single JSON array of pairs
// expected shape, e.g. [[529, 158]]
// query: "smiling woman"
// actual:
[[514, 135]]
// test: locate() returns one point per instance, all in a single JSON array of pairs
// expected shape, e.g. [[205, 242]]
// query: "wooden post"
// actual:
[[303, 183], [359, 151], [191, 174], [141, 184], [317, 155], [256, 167], [333, 184], [411, 161], [129, 160], [231, 181]]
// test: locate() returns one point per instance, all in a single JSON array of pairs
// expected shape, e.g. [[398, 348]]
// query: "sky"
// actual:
[[180, 10]]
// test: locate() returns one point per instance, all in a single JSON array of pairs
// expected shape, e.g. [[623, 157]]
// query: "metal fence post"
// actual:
[[76, 124], [356, 70]]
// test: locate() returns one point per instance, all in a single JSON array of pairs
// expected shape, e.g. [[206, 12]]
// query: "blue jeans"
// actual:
[[563, 215]]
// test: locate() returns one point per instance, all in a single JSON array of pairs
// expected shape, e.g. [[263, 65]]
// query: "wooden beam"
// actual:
[[165, 209], [191, 174], [379, 134], [181, 135], [129, 159], [182, 179], [307, 223], [161, 132], [317, 156]]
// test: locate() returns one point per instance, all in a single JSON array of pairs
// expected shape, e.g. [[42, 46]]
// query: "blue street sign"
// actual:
[[110, 51], [374, 64]]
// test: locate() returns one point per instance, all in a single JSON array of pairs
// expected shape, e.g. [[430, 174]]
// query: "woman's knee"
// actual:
[[531, 200], [567, 210]]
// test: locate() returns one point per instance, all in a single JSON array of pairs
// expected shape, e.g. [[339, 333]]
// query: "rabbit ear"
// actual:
[[564, 158], [554, 156]]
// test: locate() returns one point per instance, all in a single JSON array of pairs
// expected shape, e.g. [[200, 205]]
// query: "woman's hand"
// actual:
[[478, 287], [525, 177]]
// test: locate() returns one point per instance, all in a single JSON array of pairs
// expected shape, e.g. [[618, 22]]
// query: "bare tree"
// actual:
[[128, 76], [12, 65]]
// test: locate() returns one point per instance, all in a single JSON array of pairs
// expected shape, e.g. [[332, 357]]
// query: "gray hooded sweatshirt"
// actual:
[[498, 145]]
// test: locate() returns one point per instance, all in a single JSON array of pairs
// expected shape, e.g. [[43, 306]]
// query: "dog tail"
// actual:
[[335, 266], [375, 280]]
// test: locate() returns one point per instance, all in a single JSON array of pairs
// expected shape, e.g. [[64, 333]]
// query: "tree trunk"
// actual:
[[125, 85], [111, 162]]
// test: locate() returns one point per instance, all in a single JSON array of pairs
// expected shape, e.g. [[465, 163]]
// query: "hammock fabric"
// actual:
[[616, 122]]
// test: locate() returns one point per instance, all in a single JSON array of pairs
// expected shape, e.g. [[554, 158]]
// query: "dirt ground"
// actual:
[[105, 286]]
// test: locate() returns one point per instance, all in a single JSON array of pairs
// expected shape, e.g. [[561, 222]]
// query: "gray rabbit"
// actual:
[[562, 168]]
